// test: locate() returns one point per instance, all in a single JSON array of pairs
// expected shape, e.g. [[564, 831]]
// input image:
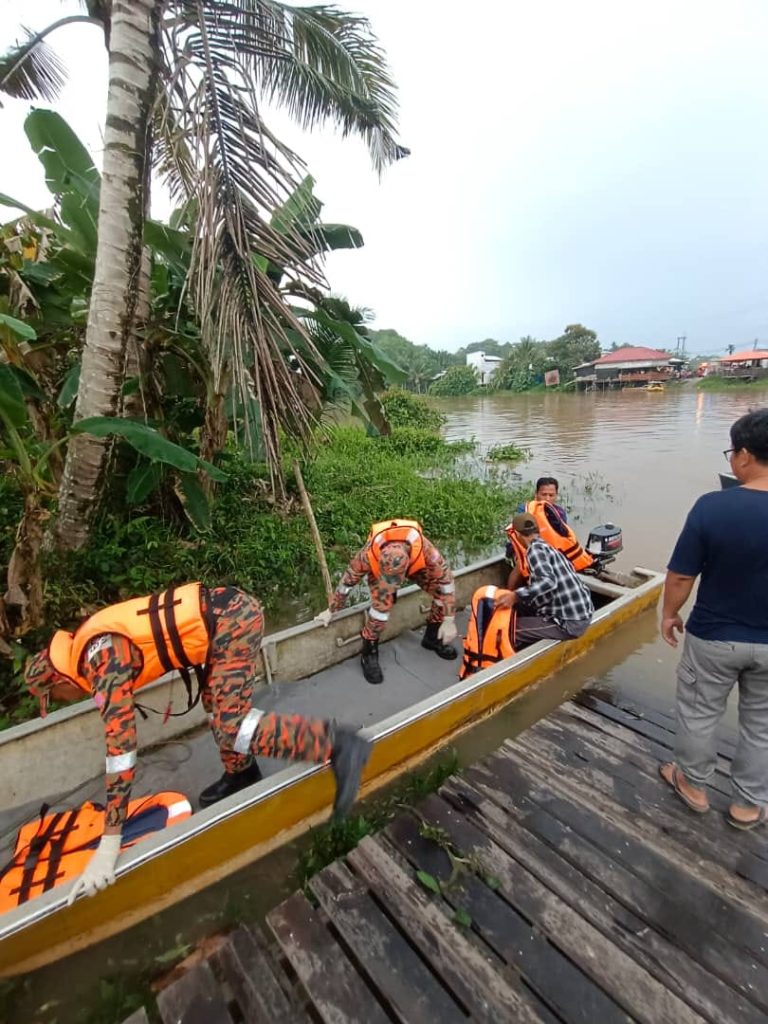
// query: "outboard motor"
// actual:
[[604, 543]]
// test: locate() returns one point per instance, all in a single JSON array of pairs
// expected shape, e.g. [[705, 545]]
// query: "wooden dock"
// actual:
[[557, 880]]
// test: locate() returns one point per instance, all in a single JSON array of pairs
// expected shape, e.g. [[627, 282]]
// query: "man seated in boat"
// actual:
[[553, 603], [396, 551], [547, 489], [552, 522], [215, 632]]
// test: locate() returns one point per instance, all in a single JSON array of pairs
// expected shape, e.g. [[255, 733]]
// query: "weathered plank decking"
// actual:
[[573, 887]]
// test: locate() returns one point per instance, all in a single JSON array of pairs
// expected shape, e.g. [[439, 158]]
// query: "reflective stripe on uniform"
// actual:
[[246, 731], [379, 616], [412, 536], [180, 807], [447, 588], [120, 762]]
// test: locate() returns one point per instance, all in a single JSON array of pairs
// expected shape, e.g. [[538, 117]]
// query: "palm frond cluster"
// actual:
[[252, 226]]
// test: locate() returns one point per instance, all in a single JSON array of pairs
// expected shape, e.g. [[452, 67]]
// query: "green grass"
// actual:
[[731, 384]]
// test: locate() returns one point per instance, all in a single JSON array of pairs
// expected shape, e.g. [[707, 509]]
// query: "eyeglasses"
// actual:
[[728, 453]]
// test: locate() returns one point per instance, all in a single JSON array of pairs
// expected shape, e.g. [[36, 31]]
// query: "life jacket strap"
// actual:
[[167, 608]]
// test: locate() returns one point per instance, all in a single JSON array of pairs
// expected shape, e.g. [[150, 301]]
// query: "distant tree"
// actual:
[[522, 367], [457, 380], [420, 362], [576, 345]]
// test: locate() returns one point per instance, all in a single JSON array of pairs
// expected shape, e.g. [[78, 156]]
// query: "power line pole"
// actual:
[[680, 347]]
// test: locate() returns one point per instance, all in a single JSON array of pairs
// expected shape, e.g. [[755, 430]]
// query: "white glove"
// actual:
[[324, 617], [100, 871], [447, 631]]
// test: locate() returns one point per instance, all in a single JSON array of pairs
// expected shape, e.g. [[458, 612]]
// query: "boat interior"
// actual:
[[188, 762]]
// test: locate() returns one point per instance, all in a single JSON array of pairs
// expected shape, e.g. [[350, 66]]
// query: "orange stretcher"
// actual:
[[56, 847]]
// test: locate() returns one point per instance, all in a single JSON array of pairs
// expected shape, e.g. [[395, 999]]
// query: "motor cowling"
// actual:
[[605, 542]]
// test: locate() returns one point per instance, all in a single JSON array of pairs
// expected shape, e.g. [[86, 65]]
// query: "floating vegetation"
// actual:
[[508, 453]]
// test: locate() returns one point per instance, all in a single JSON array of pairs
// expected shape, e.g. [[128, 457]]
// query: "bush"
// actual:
[[457, 380], [404, 409], [414, 441], [508, 453]]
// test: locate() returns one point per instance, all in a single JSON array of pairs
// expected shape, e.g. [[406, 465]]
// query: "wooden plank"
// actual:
[[244, 965], [408, 986], [692, 904], [655, 725], [486, 994], [337, 992], [704, 972], [630, 750], [552, 976], [590, 767], [607, 727], [194, 999], [593, 773], [625, 980]]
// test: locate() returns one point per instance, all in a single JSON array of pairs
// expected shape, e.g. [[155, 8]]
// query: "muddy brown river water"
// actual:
[[635, 458]]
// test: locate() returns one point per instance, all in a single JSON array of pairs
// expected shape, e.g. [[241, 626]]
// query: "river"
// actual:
[[634, 458]]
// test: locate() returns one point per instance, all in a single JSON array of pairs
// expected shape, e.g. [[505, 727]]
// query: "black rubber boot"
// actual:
[[230, 782], [370, 662], [432, 643], [350, 753]]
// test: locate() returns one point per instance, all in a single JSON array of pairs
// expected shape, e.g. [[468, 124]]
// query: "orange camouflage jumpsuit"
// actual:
[[111, 663], [436, 579]]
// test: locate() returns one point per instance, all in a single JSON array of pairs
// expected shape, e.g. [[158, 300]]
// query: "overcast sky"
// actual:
[[593, 162]]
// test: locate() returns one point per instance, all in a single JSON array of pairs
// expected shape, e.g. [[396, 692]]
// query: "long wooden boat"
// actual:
[[421, 707]]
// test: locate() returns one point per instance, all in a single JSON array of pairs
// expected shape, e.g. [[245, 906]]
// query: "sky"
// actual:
[[595, 162]]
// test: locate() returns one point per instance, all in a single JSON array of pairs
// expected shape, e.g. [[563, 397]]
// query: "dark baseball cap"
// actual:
[[525, 524]]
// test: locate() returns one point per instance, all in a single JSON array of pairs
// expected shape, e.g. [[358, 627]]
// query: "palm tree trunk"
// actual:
[[133, 68]]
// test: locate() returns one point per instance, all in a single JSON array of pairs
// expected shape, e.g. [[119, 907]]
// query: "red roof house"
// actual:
[[630, 366]]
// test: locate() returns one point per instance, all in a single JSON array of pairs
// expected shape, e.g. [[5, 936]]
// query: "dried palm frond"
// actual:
[[234, 173]]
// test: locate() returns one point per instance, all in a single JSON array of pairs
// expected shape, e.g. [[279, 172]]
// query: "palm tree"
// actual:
[[186, 81]]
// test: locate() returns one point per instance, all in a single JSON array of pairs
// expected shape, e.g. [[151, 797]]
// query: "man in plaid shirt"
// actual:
[[555, 604]]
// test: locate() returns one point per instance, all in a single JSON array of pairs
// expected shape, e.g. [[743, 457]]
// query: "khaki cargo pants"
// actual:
[[708, 671]]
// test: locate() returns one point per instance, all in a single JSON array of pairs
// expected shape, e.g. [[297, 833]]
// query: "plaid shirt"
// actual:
[[555, 591]]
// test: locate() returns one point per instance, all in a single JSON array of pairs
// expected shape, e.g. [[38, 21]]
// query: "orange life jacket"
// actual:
[[57, 847], [558, 534], [171, 631], [489, 638], [520, 550], [404, 530]]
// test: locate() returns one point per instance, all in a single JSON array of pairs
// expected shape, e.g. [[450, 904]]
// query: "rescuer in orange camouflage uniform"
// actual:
[[388, 563], [110, 666]]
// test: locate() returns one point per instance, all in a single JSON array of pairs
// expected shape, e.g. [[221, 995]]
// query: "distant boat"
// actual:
[[654, 385]]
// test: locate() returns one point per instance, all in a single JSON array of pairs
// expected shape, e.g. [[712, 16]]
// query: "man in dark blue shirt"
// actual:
[[725, 543]]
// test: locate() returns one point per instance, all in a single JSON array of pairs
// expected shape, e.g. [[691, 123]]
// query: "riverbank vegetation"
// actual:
[[714, 383], [507, 453], [522, 368]]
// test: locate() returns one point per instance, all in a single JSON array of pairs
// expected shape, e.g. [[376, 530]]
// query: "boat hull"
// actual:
[[221, 839]]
